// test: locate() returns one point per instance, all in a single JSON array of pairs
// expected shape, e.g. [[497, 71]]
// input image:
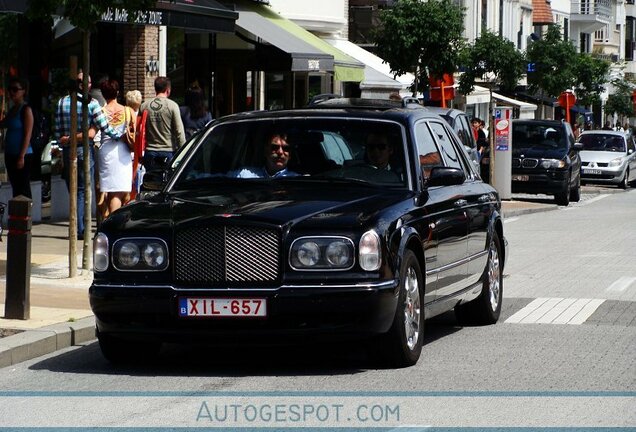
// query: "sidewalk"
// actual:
[[60, 314]]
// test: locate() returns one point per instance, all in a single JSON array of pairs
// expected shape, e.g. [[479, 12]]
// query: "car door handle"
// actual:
[[460, 203]]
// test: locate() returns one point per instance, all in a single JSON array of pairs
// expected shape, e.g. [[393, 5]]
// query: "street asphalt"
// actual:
[[59, 312]]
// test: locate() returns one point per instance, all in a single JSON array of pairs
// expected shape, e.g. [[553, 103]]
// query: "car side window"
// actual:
[[428, 153], [451, 157]]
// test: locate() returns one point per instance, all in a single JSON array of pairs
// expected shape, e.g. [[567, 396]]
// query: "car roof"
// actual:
[[344, 107], [539, 122], [603, 132]]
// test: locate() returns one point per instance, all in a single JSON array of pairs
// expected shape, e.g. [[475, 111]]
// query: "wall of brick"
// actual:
[[141, 51]]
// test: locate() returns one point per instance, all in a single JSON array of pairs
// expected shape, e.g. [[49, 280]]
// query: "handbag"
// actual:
[[131, 130]]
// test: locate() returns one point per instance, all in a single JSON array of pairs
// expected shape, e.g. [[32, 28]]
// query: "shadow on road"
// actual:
[[343, 358]]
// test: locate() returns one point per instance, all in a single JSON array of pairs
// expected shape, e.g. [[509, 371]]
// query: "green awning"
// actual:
[[345, 68]]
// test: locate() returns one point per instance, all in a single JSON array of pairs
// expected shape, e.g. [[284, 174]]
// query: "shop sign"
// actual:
[[313, 65], [139, 17]]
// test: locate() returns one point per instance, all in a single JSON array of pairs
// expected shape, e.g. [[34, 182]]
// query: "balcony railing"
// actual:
[[599, 8]]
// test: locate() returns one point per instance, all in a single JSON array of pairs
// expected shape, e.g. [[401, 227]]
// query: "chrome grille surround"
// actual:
[[227, 254], [516, 162]]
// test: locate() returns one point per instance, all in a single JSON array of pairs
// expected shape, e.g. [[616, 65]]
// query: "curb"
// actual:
[[35, 343], [520, 212]]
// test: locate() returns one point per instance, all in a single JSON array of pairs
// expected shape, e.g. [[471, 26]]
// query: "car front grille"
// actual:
[[227, 254], [598, 164], [529, 163]]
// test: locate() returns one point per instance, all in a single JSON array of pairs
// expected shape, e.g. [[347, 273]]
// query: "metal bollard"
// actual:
[[17, 297]]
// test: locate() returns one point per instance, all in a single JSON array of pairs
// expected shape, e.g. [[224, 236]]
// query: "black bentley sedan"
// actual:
[[347, 219]]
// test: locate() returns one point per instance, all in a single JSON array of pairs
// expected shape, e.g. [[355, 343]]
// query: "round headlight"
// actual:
[[128, 254], [154, 255], [309, 254], [338, 253]]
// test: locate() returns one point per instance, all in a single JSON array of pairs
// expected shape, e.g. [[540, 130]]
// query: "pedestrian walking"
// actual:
[[97, 122], [194, 114], [164, 128], [114, 156], [17, 142]]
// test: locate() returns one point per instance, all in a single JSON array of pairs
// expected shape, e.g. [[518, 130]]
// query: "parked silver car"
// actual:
[[608, 157]]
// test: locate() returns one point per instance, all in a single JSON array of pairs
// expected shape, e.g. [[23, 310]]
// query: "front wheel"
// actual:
[[563, 197], [625, 181], [405, 337], [486, 308], [575, 193]]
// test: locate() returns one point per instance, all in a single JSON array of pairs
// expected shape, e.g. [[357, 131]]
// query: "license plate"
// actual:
[[517, 177], [222, 307], [592, 171]]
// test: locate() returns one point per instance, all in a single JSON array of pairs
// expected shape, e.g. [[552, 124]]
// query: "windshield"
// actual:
[[297, 149], [529, 135], [602, 142]]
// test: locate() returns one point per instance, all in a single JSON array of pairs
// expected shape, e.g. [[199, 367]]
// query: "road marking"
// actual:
[[621, 284], [512, 219], [591, 200], [545, 310]]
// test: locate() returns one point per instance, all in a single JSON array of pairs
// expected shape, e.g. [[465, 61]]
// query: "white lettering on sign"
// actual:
[[313, 64], [139, 17]]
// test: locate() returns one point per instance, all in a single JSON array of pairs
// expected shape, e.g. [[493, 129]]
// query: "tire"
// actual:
[[575, 194], [563, 197], [625, 182], [486, 308], [121, 351], [404, 339]]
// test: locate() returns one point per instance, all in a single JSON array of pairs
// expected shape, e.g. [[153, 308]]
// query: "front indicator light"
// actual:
[[370, 251], [100, 253]]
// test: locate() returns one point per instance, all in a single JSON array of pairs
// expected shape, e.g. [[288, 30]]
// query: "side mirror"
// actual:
[[154, 180], [446, 176], [578, 146]]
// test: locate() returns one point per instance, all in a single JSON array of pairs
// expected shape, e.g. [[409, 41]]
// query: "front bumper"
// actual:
[[603, 175], [151, 312], [546, 182]]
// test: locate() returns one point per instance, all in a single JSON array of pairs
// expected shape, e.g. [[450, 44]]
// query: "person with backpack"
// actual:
[[17, 142]]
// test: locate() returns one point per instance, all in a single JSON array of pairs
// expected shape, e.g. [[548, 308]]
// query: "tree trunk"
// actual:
[[72, 169], [88, 188]]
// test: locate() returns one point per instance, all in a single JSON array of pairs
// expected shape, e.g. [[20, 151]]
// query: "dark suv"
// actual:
[[377, 222], [545, 160]]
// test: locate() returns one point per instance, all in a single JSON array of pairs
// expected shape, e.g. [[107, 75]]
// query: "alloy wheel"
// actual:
[[412, 309]]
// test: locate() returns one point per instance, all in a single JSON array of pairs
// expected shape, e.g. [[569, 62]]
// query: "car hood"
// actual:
[[600, 156], [277, 203], [538, 152]]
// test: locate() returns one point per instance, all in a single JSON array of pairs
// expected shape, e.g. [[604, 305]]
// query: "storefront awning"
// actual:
[[526, 110], [309, 52], [199, 15], [377, 73], [15, 6], [479, 95], [203, 15]]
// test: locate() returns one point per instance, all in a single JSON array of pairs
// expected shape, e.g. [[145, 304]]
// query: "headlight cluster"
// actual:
[[322, 253], [552, 163], [138, 254], [615, 162]]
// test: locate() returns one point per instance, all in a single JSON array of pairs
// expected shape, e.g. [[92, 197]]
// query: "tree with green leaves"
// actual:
[[620, 101], [421, 37], [554, 63], [84, 15], [493, 59], [591, 73]]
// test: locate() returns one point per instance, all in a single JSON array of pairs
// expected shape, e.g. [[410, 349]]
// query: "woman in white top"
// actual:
[[115, 162]]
